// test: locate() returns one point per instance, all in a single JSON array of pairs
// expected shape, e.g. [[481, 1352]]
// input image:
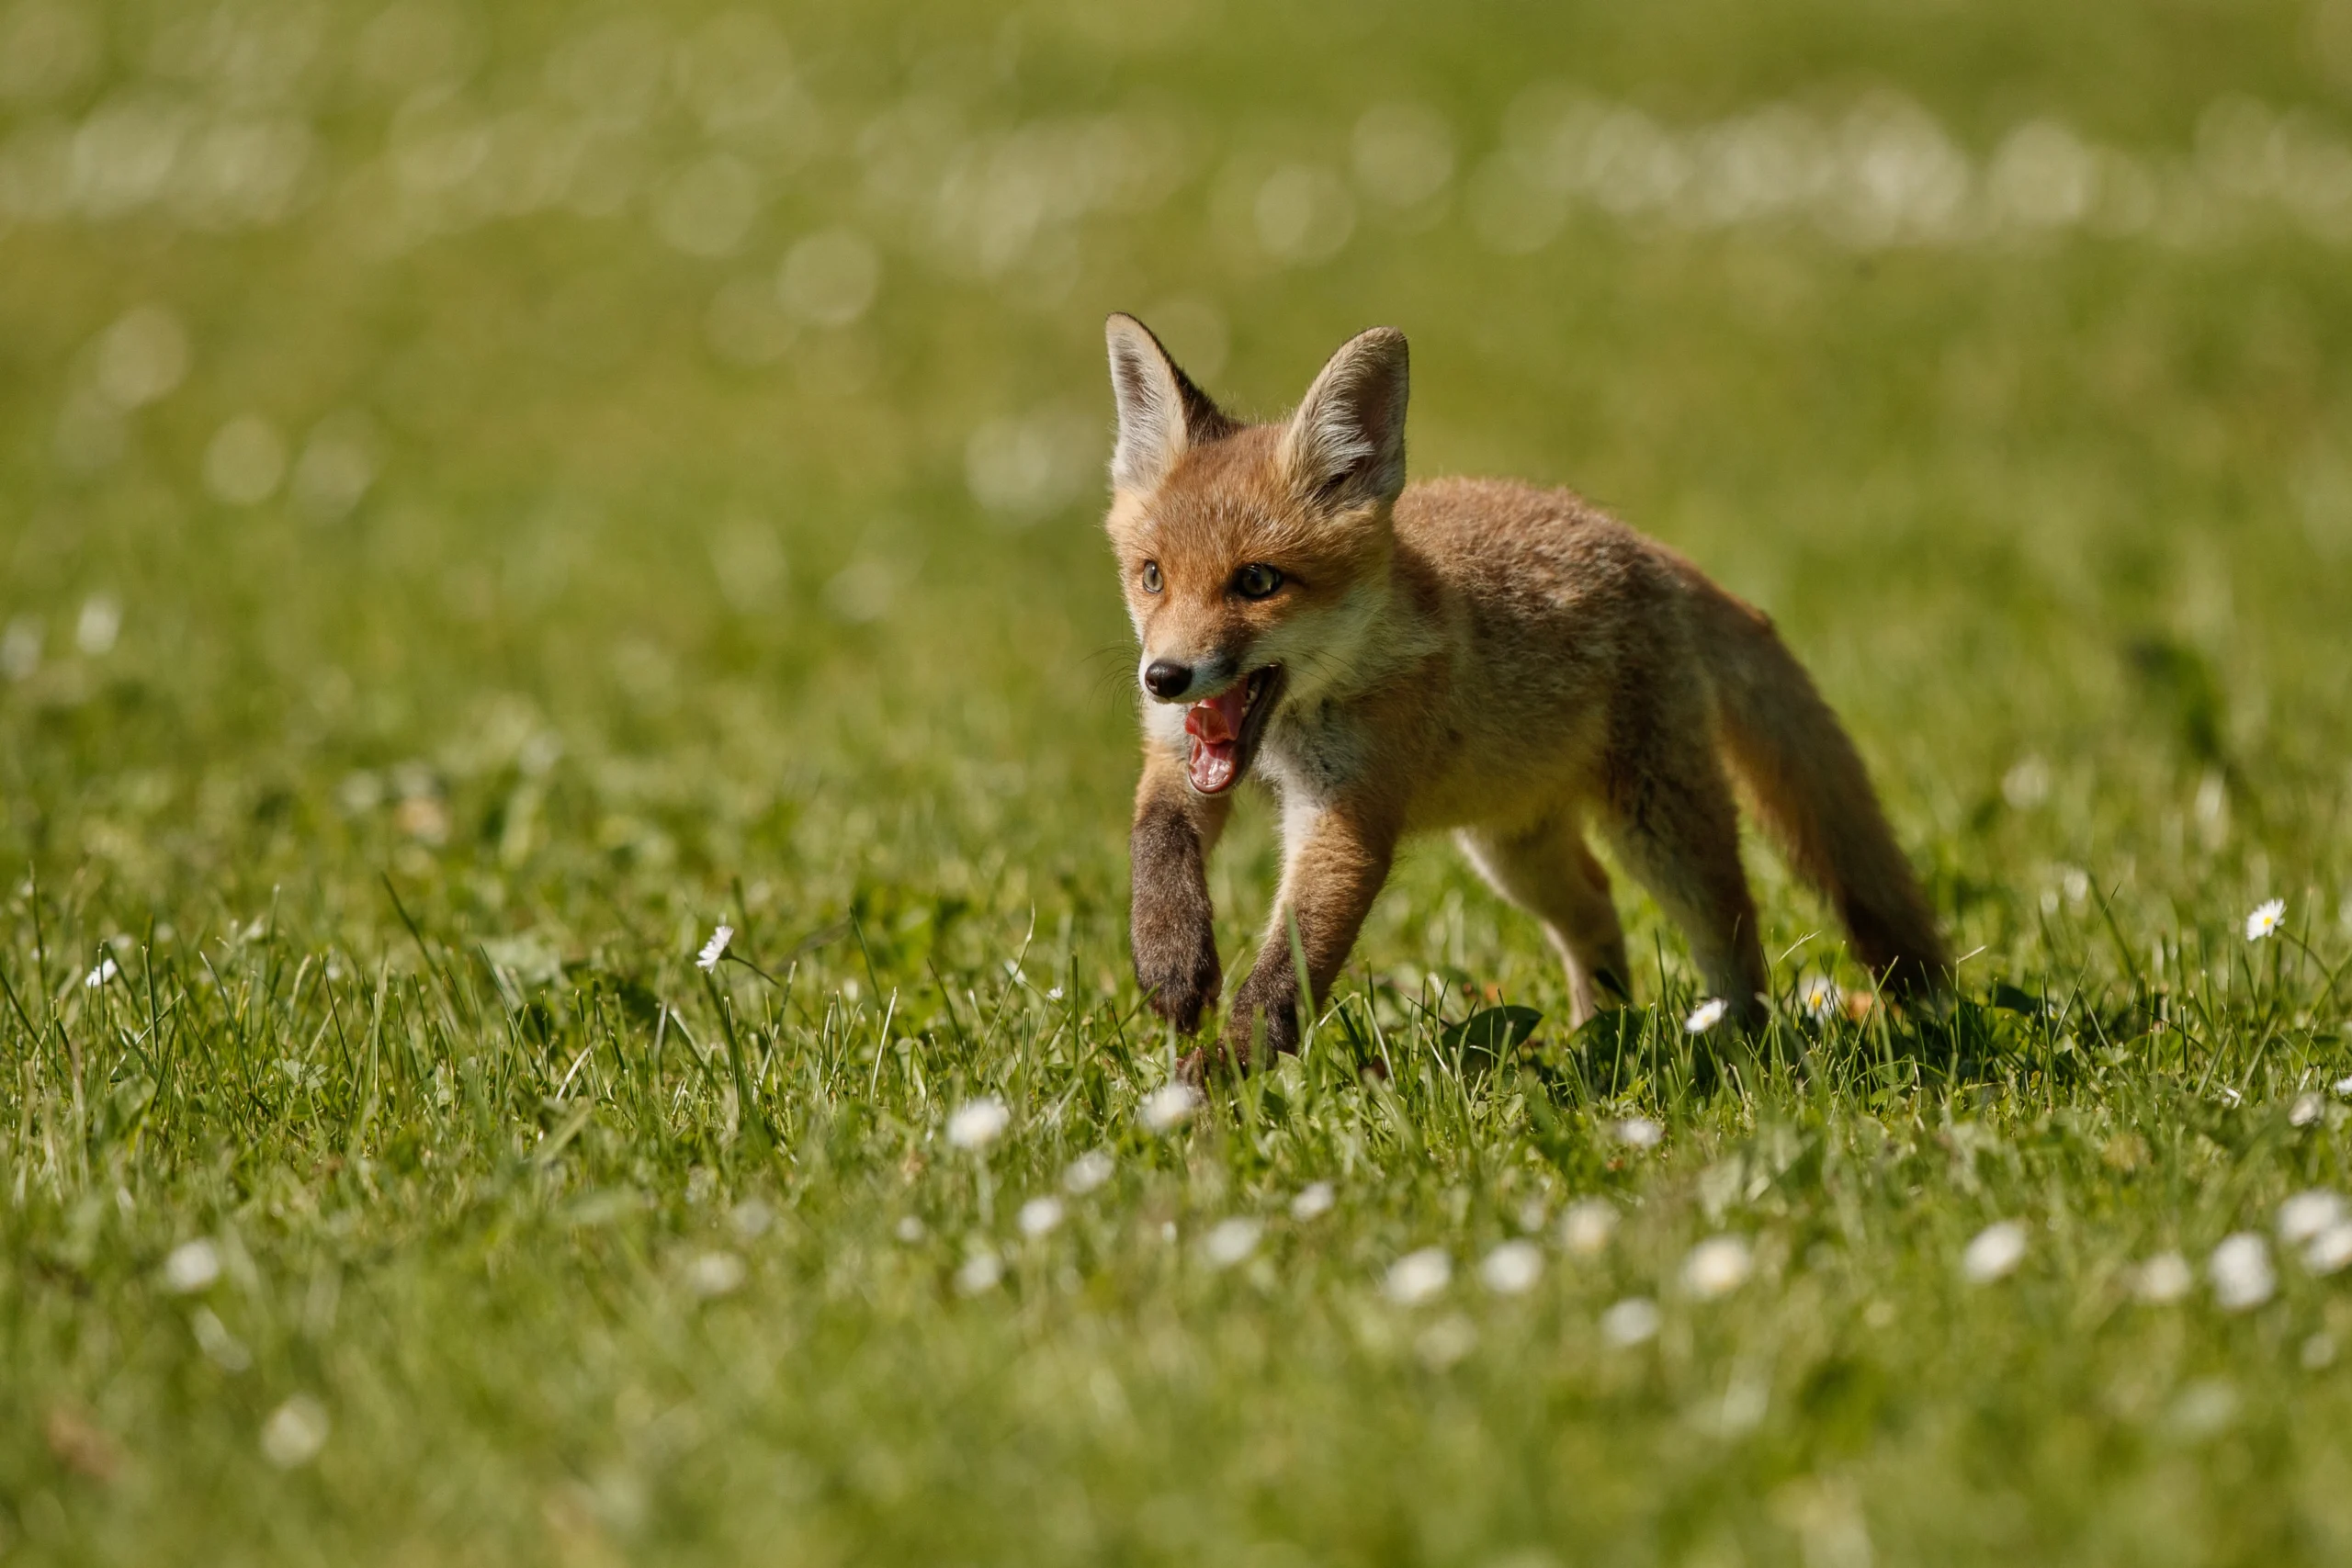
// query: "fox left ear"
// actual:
[[1160, 411], [1345, 446]]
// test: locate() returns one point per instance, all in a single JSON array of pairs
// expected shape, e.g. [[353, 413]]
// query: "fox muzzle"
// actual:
[[1174, 681]]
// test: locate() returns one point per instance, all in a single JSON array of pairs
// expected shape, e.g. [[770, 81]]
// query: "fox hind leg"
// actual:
[[1673, 821], [1549, 871]]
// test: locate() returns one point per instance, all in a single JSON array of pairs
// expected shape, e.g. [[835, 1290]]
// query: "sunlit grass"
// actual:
[[445, 584]]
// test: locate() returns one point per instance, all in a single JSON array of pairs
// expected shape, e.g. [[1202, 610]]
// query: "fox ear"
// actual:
[[1345, 445], [1160, 411]]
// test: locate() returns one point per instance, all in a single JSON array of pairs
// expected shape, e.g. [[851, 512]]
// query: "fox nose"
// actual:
[[1164, 678]]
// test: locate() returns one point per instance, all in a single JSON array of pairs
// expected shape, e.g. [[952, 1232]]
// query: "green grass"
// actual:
[[401, 817]]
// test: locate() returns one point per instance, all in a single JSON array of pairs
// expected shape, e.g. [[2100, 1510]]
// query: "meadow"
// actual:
[[489, 495]]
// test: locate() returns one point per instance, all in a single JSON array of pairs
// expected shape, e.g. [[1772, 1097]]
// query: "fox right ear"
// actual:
[[1160, 411], [1346, 443]]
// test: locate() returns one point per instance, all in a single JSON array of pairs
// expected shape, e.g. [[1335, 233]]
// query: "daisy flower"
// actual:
[[1087, 1172], [191, 1267], [1230, 1241], [1314, 1201], [1708, 1014], [977, 1123], [1638, 1133], [1820, 998], [1512, 1268], [1994, 1253], [715, 1274], [1169, 1107], [1417, 1276], [2264, 919], [1586, 1227], [2240, 1270], [981, 1272], [294, 1432], [1630, 1322], [2306, 1214], [2164, 1277], [714, 949], [1717, 1266], [2330, 1250]]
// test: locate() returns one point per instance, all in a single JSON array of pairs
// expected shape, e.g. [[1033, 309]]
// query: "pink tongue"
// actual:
[[1218, 719], [1215, 726]]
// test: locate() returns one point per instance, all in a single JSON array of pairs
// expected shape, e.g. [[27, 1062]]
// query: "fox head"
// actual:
[[1254, 558]]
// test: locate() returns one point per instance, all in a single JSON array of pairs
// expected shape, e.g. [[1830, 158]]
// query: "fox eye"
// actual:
[[1257, 580], [1151, 576]]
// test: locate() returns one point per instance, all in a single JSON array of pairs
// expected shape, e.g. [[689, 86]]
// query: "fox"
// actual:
[[1506, 664]]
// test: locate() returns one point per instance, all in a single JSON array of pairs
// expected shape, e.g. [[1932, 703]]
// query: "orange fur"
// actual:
[[1501, 662]]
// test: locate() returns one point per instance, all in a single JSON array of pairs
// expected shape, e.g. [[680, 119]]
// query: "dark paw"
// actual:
[[1250, 1042], [1183, 979]]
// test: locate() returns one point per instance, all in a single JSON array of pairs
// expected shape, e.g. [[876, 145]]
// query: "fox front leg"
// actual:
[[1171, 925], [1335, 859]]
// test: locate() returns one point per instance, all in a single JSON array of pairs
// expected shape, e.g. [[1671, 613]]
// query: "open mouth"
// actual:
[[1221, 732]]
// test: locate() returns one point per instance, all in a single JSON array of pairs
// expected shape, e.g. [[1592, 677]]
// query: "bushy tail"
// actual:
[[1815, 800]]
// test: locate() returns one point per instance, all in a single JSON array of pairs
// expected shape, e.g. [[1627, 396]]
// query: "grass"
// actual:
[[404, 1192]]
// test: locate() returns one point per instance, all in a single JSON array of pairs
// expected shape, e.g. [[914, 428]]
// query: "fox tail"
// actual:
[[1814, 798]]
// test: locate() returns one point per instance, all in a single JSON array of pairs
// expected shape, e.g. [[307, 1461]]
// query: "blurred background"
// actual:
[[609, 464]]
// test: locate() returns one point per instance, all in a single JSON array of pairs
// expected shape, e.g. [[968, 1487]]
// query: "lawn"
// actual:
[[488, 495]]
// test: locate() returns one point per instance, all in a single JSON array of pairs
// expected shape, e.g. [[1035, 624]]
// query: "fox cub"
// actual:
[[1503, 662]]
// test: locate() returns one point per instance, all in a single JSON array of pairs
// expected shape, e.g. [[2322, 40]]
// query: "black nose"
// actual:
[[1165, 678]]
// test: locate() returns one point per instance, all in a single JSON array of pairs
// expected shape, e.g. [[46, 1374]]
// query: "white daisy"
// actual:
[[1630, 1322], [2240, 1272], [1087, 1172], [1994, 1253], [294, 1432], [1230, 1241], [1638, 1133], [715, 1274], [1040, 1215], [2306, 1214], [1512, 1269], [2331, 1249], [977, 1123], [1417, 1276], [1820, 997], [1169, 1107], [1705, 1016], [191, 1267], [2264, 919], [2167, 1276], [106, 970], [714, 949], [1586, 1227], [1717, 1266], [1314, 1201], [981, 1272]]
